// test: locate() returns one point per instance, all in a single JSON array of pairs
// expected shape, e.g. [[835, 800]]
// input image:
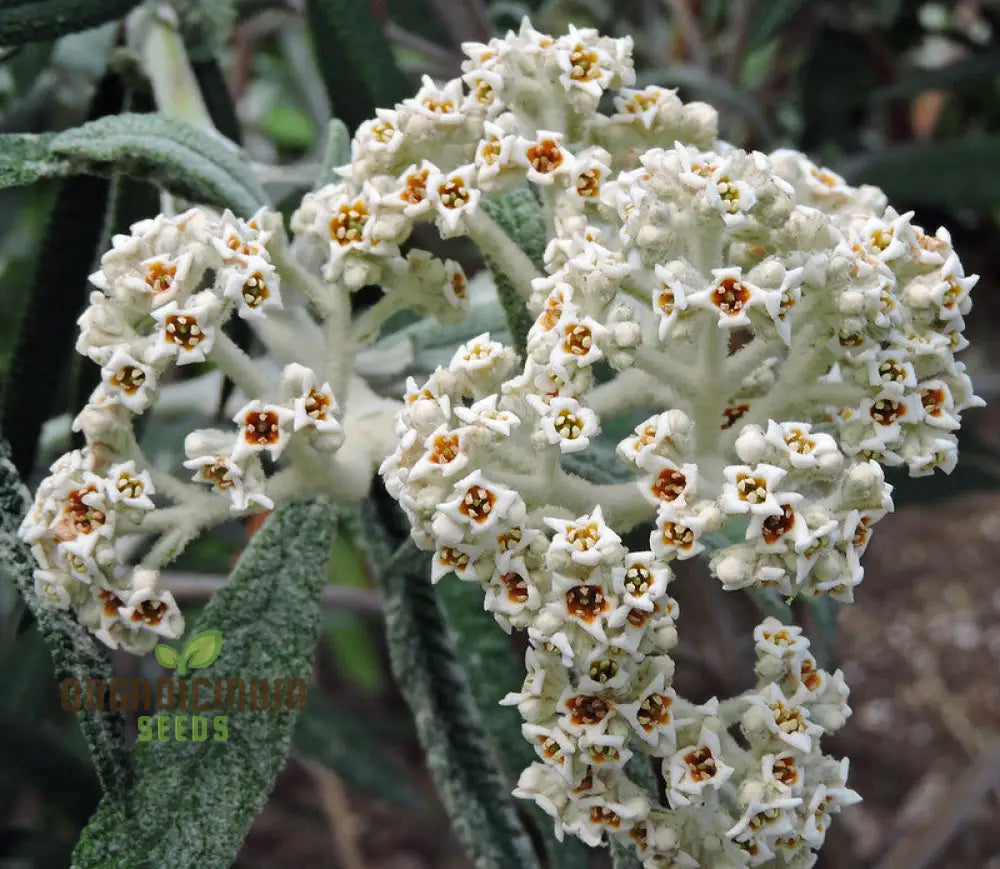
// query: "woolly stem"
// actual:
[[504, 253]]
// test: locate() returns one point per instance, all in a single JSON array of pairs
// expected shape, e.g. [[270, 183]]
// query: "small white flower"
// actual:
[[752, 489], [186, 333], [262, 427], [585, 541], [454, 195], [128, 380], [564, 421], [543, 156], [695, 768], [129, 488], [478, 506]]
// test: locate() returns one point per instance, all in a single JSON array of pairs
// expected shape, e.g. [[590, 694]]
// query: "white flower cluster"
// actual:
[[791, 335], [165, 292], [77, 512]]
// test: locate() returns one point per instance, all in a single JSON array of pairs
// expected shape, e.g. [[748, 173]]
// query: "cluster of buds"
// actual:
[[789, 334], [164, 293]]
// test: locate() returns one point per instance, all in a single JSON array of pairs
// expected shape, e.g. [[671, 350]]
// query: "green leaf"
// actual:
[[42, 20], [204, 795], [169, 153], [58, 295], [934, 173], [218, 100], [168, 656], [494, 670], [355, 59], [25, 158], [520, 216], [338, 152], [771, 17], [200, 651], [461, 760], [75, 652]]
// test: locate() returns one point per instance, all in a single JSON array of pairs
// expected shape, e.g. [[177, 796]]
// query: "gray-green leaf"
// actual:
[[42, 20], [460, 758], [26, 158], [75, 652], [520, 216], [167, 152], [494, 669], [269, 615]]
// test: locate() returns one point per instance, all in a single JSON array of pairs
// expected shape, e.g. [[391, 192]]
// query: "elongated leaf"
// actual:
[[520, 216], [494, 670], [934, 173], [75, 652], [194, 801], [25, 158], [167, 152], [59, 293], [42, 20], [355, 59], [459, 756], [218, 100], [338, 152], [770, 17]]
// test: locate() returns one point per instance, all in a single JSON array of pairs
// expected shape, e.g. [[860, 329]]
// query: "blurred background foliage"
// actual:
[[905, 95]]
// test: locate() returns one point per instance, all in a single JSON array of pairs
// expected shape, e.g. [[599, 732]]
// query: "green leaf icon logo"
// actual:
[[167, 656], [201, 650]]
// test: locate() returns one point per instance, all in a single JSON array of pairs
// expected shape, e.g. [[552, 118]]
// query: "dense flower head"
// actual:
[[164, 293], [787, 335], [768, 337]]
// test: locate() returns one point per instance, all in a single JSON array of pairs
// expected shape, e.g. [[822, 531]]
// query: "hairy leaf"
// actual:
[[25, 158], [167, 152], [338, 152], [355, 59], [42, 20], [520, 216], [204, 795], [459, 755], [58, 295], [75, 652], [494, 670]]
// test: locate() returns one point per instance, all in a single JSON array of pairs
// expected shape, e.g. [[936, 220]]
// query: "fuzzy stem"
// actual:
[[238, 367], [367, 325], [504, 253], [658, 364], [631, 390], [171, 544]]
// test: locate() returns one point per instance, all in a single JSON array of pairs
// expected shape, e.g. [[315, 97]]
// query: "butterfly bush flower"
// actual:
[[774, 337], [164, 295], [787, 336]]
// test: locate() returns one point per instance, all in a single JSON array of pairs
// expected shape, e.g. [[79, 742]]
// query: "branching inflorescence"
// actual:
[[785, 336]]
